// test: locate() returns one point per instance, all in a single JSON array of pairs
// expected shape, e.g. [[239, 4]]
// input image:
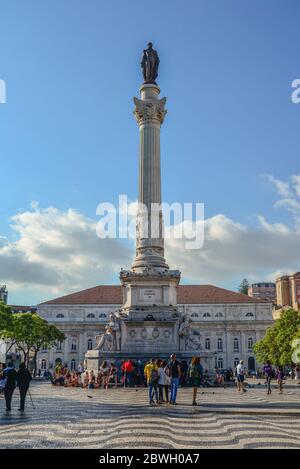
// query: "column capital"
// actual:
[[150, 110]]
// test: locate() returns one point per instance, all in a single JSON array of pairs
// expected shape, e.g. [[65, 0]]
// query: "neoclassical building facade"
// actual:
[[229, 323]]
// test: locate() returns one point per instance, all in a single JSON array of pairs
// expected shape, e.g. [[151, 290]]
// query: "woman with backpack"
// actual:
[[195, 374]]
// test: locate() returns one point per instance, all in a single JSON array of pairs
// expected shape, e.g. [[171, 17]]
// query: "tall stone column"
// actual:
[[149, 112]]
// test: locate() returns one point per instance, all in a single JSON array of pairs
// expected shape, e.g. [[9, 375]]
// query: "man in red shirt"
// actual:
[[127, 368]]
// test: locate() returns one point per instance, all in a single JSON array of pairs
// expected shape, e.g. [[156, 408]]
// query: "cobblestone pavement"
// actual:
[[122, 418]]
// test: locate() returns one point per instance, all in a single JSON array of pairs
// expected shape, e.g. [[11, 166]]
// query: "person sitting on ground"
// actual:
[[219, 379], [78, 380], [92, 380], [105, 372], [113, 376], [86, 379], [206, 380]]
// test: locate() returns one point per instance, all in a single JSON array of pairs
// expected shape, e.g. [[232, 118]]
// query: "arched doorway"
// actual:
[[251, 364], [58, 365]]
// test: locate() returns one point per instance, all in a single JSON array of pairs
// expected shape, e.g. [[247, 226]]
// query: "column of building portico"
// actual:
[[66, 350], [81, 347]]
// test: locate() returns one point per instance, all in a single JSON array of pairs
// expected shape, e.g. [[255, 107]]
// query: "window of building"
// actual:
[[73, 346], [250, 344], [236, 345], [219, 315], [44, 348], [91, 316], [59, 347], [102, 315], [207, 344], [207, 315], [90, 344], [194, 315], [236, 362], [249, 315], [73, 364], [220, 344], [59, 316], [43, 364], [220, 362]]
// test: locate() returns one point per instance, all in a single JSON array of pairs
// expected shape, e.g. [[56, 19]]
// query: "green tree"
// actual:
[[46, 335], [276, 346], [244, 286], [30, 332]]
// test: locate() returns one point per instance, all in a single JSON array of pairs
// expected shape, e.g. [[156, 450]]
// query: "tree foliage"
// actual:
[[30, 333], [5, 316], [276, 346], [244, 286]]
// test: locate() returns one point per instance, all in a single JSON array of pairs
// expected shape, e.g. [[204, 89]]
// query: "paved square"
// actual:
[[122, 418]]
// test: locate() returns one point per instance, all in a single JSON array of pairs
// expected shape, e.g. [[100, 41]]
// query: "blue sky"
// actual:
[[68, 136]]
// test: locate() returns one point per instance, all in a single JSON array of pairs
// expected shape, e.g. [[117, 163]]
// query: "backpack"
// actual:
[[194, 372], [153, 376], [3, 382]]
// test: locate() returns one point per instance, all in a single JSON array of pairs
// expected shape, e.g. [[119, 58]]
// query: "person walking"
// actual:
[[173, 370], [268, 372], [195, 376], [240, 374], [9, 376], [280, 378], [23, 381], [297, 373], [151, 375]]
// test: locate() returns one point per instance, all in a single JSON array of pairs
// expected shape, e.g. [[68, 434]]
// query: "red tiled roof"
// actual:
[[187, 294], [22, 308]]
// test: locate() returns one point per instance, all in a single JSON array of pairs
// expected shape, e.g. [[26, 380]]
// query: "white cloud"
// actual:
[[282, 187], [232, 250], [296, 183], [290, 194], [54, 252], [57, 252]]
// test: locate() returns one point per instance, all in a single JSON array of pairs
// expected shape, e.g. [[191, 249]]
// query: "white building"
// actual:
[[229, 323]]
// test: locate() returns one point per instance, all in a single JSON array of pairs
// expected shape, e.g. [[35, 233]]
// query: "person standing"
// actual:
[[280, 378], [163, 382], [127, 368], [240, 374], [268, 372], [23, 381], [195, 376], [151, 375], [297, 373], [174, 372], [10, 376]]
